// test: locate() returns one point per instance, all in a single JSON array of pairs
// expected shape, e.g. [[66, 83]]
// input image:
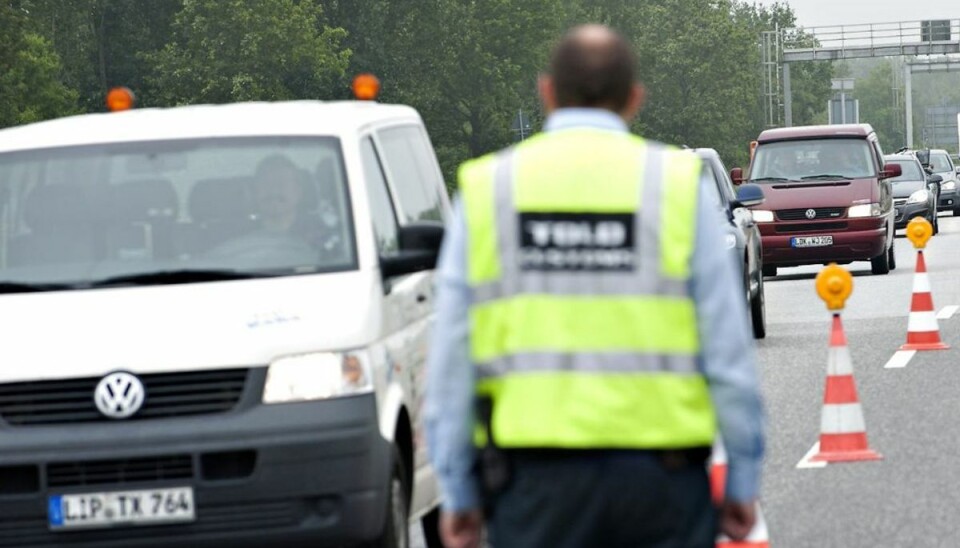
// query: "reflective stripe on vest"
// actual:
[[585, 354]]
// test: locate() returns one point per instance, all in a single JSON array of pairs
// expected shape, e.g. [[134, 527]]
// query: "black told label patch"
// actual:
[[577, 241]]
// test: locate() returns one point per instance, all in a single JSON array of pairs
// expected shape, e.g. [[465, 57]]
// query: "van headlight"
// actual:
[[949, 185], [864, 210], [762, 215], [316, 376], [919, 196]]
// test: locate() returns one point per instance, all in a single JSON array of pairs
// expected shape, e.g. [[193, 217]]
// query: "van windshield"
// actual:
[[240, 207], [812, 159]]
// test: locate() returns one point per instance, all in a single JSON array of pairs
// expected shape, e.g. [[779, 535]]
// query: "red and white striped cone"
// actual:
[[843, 434], [923, 331], [759, 537]]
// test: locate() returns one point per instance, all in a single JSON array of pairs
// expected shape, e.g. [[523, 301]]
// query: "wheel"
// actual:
[[430, 524], [892, 260], [395, 532], [956, 212], [769, 270], [881, 263], [758, 313]]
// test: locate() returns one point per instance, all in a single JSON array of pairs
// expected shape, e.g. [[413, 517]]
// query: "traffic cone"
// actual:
[[759, 537], [843, 435], [923, 332]]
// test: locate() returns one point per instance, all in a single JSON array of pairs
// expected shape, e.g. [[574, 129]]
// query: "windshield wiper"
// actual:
[[170, 277], [824, 176], [758, 179], [28, 287]]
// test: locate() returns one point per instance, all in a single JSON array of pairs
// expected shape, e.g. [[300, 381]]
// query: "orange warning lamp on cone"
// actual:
[[366, 87], [923, 331], [120, 98], [843, 433]]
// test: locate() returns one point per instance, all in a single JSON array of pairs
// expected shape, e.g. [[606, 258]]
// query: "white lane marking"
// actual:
[[900, 359], [805, 462], [947, 312]]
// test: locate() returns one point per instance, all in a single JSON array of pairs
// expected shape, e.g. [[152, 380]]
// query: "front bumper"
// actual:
[[294, 474], [853, 240], [949, 200], [907, 212]]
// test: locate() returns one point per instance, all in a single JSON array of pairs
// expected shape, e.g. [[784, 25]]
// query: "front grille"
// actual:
[[811, 227], [801, 214], [899, 201], [99, 472], [167, 395]]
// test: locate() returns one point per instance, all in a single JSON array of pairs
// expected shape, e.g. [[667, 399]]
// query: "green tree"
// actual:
[[242, 50], [30, 90], [878, 105]]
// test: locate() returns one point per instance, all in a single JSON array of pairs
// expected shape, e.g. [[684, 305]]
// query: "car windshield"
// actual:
[[940, 163], [812, 159], [911, 171], [239, 207]]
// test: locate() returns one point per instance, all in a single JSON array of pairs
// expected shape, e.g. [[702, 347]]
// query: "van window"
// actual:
[[413, 173], [381, 207], [241, 206], [812, 159]]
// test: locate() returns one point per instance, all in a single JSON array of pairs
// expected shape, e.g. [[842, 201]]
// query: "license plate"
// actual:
[[811, 241], [144, 507]]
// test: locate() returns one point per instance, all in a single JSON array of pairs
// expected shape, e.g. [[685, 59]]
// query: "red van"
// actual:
[[828, 198]]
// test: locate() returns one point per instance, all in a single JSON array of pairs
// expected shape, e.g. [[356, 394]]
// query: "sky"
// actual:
[[811, 13]]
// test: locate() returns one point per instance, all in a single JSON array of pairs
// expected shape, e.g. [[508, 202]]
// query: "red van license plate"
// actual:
[[811, 241]]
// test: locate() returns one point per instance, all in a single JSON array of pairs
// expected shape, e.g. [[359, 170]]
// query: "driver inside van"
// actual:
[[277, 192]]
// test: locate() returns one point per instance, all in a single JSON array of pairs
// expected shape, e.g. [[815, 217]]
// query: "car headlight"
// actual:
[[762, 216], [864, 210], [919, 196], [949, 185], [316, 376], [730, 240]]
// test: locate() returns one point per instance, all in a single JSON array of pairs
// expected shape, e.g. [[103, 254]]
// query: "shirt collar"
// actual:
[[595, 118]]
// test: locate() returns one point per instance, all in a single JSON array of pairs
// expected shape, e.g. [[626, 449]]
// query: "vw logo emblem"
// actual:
[[811, 213], [119, 395]]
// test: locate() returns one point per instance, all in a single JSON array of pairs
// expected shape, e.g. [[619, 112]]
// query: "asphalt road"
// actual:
[[910, 498]]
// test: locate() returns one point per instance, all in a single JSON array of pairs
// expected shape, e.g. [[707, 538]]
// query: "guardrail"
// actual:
[[933, 37]]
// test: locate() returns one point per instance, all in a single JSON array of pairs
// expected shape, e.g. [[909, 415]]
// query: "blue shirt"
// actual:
[[727, 351]]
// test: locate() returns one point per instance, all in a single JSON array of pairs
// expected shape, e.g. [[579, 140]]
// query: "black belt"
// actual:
[[673, 459]]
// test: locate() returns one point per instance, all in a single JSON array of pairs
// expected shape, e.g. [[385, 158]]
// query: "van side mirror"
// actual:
[[736, 174], [419, 244], [890, 171], [748, 195]]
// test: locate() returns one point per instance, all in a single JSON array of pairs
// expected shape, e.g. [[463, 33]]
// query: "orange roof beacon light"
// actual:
[[366, 87], [120, 98]]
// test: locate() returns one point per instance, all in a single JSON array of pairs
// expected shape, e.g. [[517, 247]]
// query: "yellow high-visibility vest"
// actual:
[[583, 329]]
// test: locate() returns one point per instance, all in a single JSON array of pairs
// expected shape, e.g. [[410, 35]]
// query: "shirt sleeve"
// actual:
[[727, 350], [449, 411]]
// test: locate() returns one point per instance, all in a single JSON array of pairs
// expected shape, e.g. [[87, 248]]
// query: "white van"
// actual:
[[214, 326]]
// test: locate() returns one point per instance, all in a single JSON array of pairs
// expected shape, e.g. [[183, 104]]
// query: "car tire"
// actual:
[[892, 260], [758, 312], [769, 270], [396, 533], [956, 212], [881, 263], [430, 523]]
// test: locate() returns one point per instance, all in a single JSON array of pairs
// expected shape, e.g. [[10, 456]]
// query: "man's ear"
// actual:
[[638, 95], [548, 93]]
